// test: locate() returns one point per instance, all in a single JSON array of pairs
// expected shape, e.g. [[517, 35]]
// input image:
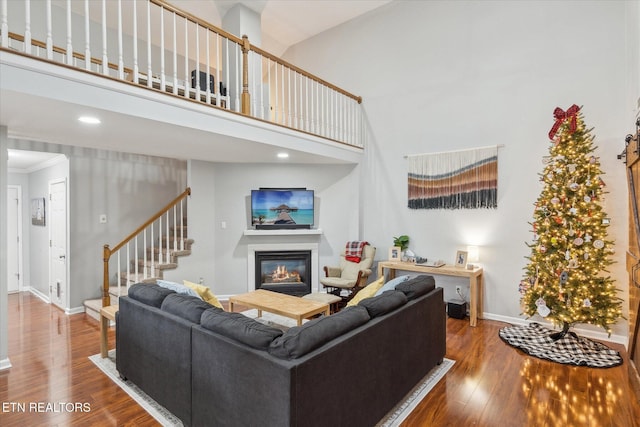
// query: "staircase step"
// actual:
[[172, 254], [139, 278], [178, 242], [92, 308], [148, 265], [180, 230]]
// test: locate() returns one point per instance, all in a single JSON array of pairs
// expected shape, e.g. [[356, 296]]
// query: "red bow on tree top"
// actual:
[[561, 116]]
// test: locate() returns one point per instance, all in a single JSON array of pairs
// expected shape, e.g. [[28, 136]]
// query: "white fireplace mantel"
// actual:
[[251, 260], [284, 232]]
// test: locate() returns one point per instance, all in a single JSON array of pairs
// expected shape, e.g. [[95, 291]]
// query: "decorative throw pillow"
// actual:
[[204, 292], [178, 288], [367, 292], [391, 284]]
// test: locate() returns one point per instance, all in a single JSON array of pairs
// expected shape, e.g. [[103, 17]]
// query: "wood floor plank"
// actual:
[[491, 384]]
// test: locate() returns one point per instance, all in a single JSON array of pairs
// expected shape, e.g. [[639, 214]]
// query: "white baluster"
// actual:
[[105, 58], [119, 271], [144, 249], [69, 35], [161, 255], [186, 58], [168, 240], [120, 54], [49, 40], [149, 70], [135, 42], [162, 68], [269, 111], [208, 73], [87, 37], [136, 265], [175, 56], [128, 270], [27, 27], [260, 74], [238, 78], [196, 77], [4, 23], [182, 202], [175, 229], [226, 70], [218, 77], [153, 253]]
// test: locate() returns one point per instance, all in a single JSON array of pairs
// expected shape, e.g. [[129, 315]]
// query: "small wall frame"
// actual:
[[395, 252], [38, 214]]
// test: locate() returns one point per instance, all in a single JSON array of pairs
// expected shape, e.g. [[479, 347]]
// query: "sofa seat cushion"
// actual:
[[417, 286], [239, 327], [300, 340], [384, 303], [185, 306], [149, 294]]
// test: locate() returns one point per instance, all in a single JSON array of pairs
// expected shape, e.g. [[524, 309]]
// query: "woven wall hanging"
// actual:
[[464, 179]]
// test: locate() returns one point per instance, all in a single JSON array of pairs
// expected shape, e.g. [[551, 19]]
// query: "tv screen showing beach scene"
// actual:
[[282, 207]]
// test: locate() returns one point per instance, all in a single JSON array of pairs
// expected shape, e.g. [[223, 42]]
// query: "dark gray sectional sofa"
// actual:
[[213, 368]]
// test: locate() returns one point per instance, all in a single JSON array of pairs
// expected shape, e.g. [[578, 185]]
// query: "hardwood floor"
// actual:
[[491, 384]]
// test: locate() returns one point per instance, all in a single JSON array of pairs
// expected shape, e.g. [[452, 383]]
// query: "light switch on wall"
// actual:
[[103, 218]]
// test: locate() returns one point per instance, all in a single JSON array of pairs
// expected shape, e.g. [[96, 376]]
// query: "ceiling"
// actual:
[[284, 23]]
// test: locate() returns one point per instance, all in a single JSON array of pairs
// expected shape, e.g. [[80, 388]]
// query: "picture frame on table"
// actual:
[[461, 259], [395, 252]]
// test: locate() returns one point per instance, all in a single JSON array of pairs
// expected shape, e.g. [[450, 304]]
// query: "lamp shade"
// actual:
[[473, 254]]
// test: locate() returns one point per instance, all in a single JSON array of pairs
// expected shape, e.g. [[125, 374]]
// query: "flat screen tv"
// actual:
[[282, 208]]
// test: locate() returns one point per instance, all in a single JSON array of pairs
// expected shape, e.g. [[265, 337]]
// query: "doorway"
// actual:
[[14, 238], [58, 272]]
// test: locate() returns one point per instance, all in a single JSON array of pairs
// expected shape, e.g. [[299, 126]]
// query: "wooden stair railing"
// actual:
[[173, 242]]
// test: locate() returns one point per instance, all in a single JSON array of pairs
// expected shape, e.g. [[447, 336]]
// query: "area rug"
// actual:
[[394, 418], [535, 340]]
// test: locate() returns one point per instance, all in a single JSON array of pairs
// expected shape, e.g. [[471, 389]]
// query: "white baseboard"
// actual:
[[600, 336], [39, 294], [75, 310], [5, 364]]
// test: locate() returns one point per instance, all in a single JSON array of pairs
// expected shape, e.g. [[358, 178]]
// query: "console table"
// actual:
[[474, 275]]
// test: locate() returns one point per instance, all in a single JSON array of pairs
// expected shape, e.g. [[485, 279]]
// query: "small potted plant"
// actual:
[[402, 242]]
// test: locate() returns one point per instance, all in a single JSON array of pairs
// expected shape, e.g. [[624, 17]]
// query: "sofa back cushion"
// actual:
[[300, 340], [417, 286], [185, 306], [239, 327], [383, 303], [149, 294]]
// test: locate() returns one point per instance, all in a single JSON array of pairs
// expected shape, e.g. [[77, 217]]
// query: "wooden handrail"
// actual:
[[58, 49], [107, 252], [305, 73]]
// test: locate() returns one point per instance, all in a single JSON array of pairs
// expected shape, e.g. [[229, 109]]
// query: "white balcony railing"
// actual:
[[153, 44]]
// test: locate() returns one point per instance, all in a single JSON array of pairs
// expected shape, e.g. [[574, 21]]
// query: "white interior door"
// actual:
[[14, 239], [58, 243]]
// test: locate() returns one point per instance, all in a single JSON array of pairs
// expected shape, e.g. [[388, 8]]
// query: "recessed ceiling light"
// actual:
[[283, 155], [89, 120]]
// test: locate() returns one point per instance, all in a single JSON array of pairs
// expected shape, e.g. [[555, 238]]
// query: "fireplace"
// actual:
[[288, 272]]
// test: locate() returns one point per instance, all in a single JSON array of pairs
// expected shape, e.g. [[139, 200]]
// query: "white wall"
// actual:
[[128, 188], [221, 193], [438, 76]]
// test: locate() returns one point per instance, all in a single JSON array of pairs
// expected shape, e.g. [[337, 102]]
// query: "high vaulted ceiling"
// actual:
[[284, 22]]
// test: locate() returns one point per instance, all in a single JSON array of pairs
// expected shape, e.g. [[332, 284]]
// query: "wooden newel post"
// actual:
[[106, 254], [246, 97]]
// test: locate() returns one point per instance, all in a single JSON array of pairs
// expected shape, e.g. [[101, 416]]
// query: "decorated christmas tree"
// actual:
[[566, 281]]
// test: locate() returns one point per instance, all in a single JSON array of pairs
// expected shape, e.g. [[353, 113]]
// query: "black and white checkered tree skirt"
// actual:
[[535, 340]]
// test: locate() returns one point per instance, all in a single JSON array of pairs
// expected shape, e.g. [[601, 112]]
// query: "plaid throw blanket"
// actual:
[[353, 251]]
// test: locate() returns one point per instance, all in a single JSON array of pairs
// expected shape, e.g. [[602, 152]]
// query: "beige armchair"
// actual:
[[349, 276]]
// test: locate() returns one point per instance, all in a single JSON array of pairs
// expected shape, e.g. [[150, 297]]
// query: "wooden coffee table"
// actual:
[[285, 305]]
